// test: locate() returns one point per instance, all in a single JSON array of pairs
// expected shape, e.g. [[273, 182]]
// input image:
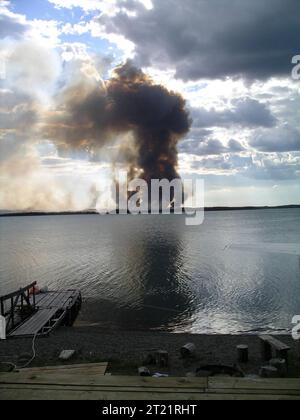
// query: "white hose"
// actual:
[[30, 361]]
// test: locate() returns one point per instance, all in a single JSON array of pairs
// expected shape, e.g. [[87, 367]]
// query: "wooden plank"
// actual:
[[45, 300], [82, 382], [79, 370], [65, 367], [63, 386], [89, 369], [106, 388], [59, 393], [254, 384], [278, 345], [55, 299], [54, 378]]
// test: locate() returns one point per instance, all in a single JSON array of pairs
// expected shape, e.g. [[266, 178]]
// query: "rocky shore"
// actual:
[[127, 350]]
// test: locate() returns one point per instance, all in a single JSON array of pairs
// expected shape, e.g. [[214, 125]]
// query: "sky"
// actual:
[[231, 61]]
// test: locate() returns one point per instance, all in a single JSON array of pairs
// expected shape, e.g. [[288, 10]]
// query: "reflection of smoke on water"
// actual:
[[165, 301], [154, 294]]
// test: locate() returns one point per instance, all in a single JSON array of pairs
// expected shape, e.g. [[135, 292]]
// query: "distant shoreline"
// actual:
[[7, 213]]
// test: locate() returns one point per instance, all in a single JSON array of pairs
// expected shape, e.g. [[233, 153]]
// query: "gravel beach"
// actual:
[[127, 350]]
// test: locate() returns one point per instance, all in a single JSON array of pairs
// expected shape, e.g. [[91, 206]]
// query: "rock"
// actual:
[[253, 377], [191, 375], [66, 354]]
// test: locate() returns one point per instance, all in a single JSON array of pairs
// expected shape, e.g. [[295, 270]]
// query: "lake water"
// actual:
[[153, 272]]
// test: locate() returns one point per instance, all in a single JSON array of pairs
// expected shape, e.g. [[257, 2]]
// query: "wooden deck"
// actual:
[[50, 300], [51, 310], [87, 382]]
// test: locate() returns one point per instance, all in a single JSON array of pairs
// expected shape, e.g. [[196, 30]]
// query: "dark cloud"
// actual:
[[214, 38], [205, 148], [245, 112], [235, 146], [281, 139], [210, 147]]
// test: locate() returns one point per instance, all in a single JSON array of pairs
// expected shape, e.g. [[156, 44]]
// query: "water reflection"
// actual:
[[167, 300], [154, 292], [154, 272]]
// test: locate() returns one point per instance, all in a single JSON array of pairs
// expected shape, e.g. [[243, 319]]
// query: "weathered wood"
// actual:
[[15, 294], [274, 342], [65, 378], [63, 384], [52, 310], [78, 394], [268, 343], [16, 300], [69, 392], [85, 367], [275, 385]]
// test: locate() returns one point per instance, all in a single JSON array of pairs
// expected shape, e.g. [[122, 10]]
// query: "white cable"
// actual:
[[33, 354], [30, 361]]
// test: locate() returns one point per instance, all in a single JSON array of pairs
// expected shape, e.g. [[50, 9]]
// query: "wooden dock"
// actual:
[[29, 313], [89, 382]]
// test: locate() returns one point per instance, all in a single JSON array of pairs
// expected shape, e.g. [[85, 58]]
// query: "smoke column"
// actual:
[[92, 117]]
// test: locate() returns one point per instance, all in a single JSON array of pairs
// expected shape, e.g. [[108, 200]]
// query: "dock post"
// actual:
[[243, 353]]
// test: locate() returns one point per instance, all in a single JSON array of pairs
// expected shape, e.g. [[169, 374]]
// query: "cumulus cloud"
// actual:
[[243, 112], [226, 164], [278, 168], [12, 25], [282, 139], [256, 166], [107, 7], [247, 132], [213, 38], [210, 147], [235, 146]]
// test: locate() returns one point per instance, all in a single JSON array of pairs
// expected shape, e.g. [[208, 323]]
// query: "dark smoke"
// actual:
[[92, 118]]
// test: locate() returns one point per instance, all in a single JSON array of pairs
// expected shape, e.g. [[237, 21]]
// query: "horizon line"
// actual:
[[6, 212]]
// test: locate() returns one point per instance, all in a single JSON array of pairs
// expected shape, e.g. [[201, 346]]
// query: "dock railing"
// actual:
[[17, 306]]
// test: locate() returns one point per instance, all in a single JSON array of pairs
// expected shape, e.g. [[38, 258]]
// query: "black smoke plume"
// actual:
[[131, 102]]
